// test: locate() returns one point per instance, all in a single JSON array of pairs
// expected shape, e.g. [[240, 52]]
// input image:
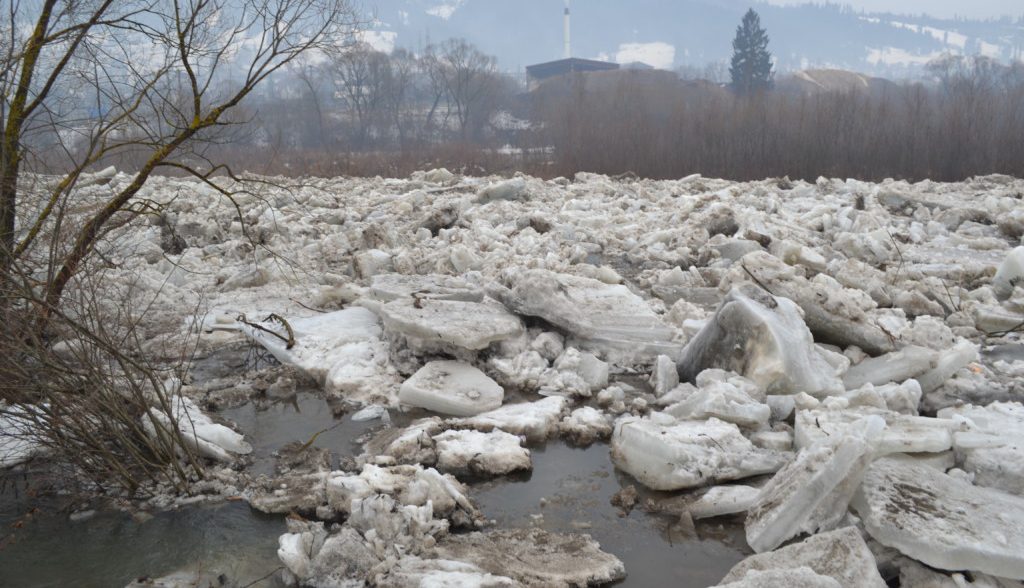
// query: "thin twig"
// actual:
[[271, 573]]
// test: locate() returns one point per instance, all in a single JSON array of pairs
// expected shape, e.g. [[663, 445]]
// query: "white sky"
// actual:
[[939, 8]]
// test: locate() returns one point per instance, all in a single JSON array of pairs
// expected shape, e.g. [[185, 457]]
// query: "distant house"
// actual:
[[542, 71]]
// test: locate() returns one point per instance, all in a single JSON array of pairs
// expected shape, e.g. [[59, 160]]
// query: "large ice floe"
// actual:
[[666, 454], [600, 315], [342, 349], [841, 556], [942, 521], [835, 366], [451, 387]]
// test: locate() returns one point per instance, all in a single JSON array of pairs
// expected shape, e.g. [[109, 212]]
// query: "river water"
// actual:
[[569, 490]]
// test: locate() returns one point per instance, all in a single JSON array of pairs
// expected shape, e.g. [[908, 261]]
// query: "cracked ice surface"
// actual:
[[666, 454], [941, 520], [600, 314], [840, 555]]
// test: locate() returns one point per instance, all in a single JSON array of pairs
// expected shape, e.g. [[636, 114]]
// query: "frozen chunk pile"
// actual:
[[829, 363]]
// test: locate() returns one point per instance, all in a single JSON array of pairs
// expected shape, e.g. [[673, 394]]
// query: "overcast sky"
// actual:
[[939, 8]]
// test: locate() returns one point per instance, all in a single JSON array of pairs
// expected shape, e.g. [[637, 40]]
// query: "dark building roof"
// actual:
[[637, 65], [550, 69]]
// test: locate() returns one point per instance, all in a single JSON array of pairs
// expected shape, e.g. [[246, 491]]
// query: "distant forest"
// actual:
[[365, 112]]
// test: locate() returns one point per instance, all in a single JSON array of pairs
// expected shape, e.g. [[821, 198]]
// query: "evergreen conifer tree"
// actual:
[[751, 66]]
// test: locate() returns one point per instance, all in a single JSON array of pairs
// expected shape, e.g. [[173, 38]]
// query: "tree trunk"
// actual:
[[9, 166], [11, 158]]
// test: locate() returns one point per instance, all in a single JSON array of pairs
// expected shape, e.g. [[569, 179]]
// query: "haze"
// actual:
[[937, 8]]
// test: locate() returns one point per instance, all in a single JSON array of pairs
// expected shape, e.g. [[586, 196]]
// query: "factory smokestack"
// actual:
[[568, 39]]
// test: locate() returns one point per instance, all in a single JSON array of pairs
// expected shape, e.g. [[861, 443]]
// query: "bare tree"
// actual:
[[362, 78], [313, 79], [469, 75], [153, 85], [434, 69], [165, 76], [400, 93]]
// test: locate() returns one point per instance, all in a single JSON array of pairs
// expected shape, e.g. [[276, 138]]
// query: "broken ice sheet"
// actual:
[[802, 576], [764, 339], [898, 366], [723, 500], [915, 575], [666, 454], [536, 421], [813, 491], [992, 444], [481, 454], [535, 557], [585, 426], [606, 317], [451, 387], [840, 555], [414, 571], [342, 350], [728, 399], [664, 375], [198, 431], [838, 315], [388, 287], [411, 485], [1010, 274], [435, 324], [940, 520], [902, 433]]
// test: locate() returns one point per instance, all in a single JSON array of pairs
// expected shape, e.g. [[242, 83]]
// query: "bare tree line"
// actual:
[[376, 113], [970, 122], [366, 100]]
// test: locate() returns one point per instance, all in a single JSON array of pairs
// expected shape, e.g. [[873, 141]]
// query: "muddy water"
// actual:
[[576, 487], [569, 490], [268, 426], [112, 549]]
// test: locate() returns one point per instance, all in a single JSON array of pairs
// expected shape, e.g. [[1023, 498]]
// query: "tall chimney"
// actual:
[[568, 41]]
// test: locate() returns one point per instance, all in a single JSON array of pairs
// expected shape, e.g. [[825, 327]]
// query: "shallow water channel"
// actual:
[[569, 490], [112, 549], [576, 487]]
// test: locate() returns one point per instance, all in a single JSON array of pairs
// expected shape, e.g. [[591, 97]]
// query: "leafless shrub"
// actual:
[[76, 388], [156, 85]]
